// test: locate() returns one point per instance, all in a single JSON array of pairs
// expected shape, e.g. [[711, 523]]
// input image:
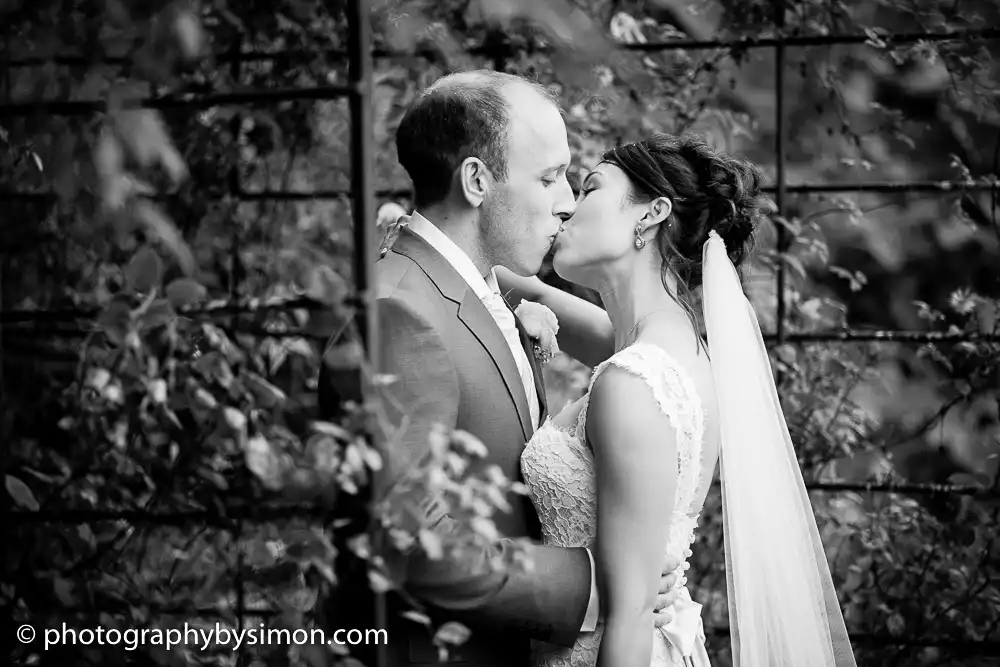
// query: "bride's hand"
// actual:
[[667, 594]]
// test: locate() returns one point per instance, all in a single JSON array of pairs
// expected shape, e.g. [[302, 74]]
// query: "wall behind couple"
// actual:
[[206, 416]]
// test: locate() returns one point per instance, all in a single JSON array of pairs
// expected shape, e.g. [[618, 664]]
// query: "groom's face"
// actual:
[[522, 218]]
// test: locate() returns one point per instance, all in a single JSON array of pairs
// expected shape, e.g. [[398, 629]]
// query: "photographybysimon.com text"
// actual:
[[203, 637]]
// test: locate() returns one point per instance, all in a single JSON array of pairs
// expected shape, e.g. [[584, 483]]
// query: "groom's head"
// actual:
[[487, 153]]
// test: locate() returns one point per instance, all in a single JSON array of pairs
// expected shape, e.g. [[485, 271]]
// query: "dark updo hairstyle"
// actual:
[[709, 190]]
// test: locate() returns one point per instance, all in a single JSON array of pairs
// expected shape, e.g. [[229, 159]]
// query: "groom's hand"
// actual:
[[667, 596]]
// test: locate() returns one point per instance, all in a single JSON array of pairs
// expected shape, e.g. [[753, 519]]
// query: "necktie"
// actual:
[[504, 318]]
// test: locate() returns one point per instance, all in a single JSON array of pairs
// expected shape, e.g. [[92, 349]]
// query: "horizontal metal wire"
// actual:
[[255, 96], [885, 336], [502, 49], [228, 520], [888, 187], [967, 646], [270, 195], [222, 308], [902, 487], [265, 513], [407, 193], [217, 308], [910, 338]]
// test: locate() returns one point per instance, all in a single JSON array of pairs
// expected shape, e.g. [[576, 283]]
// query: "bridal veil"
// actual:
[[783, 608]]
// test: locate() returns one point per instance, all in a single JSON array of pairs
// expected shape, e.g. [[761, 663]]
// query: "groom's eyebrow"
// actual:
[[558, 168]]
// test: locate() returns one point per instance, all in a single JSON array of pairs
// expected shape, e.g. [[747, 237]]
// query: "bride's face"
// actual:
[[601, 231]]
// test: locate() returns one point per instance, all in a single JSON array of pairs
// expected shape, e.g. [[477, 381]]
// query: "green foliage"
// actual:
[[183, 382]]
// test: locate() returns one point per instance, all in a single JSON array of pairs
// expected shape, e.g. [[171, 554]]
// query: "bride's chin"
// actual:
[[559, 264]]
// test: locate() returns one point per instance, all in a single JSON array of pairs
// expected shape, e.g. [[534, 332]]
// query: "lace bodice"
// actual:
[[558, 469]]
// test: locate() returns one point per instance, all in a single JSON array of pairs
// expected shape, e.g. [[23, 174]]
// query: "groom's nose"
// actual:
[[565, 205]]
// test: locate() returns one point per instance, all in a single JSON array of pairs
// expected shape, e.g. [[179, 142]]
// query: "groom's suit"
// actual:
[[454, 366]]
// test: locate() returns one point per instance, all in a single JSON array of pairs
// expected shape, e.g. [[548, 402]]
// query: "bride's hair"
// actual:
[[709, 190]]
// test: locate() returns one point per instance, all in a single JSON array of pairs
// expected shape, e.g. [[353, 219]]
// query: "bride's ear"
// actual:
[[658, 211]]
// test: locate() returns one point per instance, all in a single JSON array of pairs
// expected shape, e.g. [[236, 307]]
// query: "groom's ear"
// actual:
[[474, 180]]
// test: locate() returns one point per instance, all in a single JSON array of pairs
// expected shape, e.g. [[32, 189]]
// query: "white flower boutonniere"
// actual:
[[541, 325]]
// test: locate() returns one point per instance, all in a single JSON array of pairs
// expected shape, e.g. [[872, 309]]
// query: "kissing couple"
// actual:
[[616, 481]]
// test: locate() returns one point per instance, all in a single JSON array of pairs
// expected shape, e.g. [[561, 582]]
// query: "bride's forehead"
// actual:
[[605, 173]]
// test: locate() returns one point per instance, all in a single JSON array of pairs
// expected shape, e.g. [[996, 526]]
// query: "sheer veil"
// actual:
[[783, 608]]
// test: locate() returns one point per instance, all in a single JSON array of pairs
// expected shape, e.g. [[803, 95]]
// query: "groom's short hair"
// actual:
[[459, 116]]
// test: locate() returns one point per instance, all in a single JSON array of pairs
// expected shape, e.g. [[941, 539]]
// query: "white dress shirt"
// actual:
[[487, 289]]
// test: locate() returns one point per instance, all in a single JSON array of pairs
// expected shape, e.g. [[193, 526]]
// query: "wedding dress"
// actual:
[[558, 470]]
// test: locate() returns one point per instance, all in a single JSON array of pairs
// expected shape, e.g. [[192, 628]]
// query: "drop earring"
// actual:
[[640, 242]]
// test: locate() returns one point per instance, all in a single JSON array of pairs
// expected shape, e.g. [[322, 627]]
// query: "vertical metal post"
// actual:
[[780, 130], [362, 167], [235, 186], [366, 242]]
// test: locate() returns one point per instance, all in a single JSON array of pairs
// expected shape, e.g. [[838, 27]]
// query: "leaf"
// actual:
[[83, 541], [158, 391], [143, 133], [21, 494], [190, 35], [264, 462], [344, 356], [895, 624], [185, 292], [431, 543], [115, 320], [109, 162], [452, 633], [417, 617], [326, 286], [268, 396], [309, 544], [348, 661], [328, 428], [300, 599], [484, 527], [322, 453], [64, 591], [158, 314], [379, 582], [160, 226]]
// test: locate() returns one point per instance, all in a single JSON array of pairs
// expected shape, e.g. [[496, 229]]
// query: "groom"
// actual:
[[487, 154]]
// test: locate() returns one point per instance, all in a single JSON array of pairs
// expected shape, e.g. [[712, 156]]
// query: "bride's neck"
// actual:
[[630, 296]]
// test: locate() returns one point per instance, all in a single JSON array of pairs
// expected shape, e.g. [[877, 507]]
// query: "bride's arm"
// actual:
[[585, 331], [635, 456]]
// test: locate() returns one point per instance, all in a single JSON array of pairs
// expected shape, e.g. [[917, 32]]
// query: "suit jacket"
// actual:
[[453, 365]]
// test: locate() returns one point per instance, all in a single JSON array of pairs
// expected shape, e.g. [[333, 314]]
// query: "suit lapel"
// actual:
[[472, 313], [536, 372], [477, 318]]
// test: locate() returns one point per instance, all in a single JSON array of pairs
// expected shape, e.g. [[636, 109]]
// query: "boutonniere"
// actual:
[[391, 217], [541, 325]]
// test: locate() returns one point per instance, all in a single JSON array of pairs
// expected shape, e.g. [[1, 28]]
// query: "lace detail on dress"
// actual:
[[558, 469]]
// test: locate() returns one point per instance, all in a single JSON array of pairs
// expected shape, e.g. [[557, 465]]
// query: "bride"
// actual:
[[626, 469]]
